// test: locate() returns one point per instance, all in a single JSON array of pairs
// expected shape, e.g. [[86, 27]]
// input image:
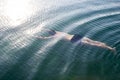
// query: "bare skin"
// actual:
[[85, 40]]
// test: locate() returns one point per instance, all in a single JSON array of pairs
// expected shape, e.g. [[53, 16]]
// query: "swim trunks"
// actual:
[[76, 38]]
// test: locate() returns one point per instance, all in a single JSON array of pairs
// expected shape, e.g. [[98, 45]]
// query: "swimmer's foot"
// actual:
[[113, 49]]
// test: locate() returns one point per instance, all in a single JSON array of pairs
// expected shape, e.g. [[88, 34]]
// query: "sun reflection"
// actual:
[[17, 11]]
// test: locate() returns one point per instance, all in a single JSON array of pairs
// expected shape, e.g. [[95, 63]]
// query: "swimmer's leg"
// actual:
[[96, 43]]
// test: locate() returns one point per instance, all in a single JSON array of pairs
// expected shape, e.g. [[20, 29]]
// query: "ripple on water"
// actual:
[[23, 57]]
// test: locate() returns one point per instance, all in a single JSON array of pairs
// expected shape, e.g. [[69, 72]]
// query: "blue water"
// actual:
[[23, 57]]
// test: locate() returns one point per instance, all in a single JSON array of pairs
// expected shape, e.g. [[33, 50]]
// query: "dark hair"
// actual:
[[52, 32]]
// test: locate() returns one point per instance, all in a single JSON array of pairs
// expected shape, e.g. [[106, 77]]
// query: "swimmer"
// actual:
[[76, 38]]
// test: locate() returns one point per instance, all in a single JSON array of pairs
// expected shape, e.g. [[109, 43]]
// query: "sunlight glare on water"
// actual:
[[23, 56], [17, 11]]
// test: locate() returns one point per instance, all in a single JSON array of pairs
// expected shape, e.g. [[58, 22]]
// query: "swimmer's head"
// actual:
[[52, 32]]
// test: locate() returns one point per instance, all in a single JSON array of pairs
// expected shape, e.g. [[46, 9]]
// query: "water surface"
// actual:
[[23, 57]]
